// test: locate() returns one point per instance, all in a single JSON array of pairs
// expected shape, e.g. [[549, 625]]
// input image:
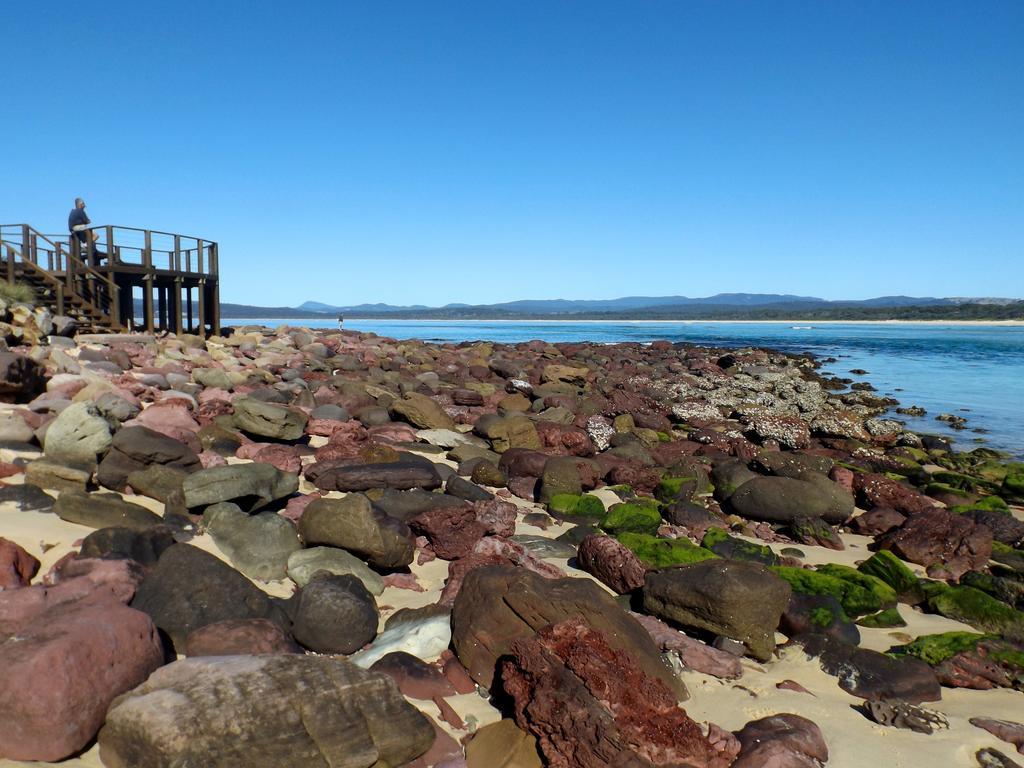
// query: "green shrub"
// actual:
[[17, 293]]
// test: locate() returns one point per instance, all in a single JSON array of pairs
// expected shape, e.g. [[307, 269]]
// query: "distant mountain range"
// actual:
[[719, 306]]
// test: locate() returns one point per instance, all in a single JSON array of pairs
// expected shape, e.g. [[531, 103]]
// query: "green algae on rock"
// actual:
[[655, 552]]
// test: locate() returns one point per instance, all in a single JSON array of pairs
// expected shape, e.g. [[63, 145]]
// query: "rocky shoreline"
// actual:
[[287, 547]]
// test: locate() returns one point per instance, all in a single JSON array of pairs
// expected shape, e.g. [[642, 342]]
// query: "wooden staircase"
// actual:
[[65, 285]]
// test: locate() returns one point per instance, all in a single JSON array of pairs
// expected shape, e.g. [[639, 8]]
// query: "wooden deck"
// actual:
[[132, 279]]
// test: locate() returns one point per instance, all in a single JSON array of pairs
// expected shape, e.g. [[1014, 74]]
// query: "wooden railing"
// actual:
[[153, 249]]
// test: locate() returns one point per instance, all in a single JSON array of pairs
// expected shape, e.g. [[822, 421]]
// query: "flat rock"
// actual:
[[268, 420], [399, 475], [250, 486], [103, 510], [305, 563], [286, 711]]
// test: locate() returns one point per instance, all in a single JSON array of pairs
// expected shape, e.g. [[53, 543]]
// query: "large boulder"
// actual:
[[62, 671], [190, 588], [591, 705], [738, 599], [17, 567], [781, 741], [78, 434], [286, 711], [352, 523], [250, 486], [785, 499], [257, 545], [268, 420], [498, 604], [334, 614], [941, 537], [611, 562], [144, 546]]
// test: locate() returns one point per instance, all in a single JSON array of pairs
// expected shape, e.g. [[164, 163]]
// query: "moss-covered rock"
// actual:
[[671, 489], [1009, 591], [664, 553], [882, 592], [855, 599], [981, 611], [732, 548], [1013, 484], [584, 505], [886, 566], [890, 617], [935, 649], [1008, 556], [632, 517]]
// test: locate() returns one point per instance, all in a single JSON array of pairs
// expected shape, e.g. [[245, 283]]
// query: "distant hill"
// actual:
[[722, 306]]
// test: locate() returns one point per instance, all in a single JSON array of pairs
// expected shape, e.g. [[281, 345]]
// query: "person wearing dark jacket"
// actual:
[[78, 226]]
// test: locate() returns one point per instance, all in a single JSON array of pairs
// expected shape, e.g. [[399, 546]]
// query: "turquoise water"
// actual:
[[975, 371]]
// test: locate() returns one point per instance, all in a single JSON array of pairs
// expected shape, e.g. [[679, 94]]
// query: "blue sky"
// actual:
[[413, 152]]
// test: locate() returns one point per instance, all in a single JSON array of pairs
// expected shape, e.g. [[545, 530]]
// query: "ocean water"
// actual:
[[974, 371]]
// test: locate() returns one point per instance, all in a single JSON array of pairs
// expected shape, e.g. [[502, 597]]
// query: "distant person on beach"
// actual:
[[78, 226]]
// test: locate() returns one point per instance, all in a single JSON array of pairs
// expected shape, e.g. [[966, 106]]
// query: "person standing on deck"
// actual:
[[78, 226]]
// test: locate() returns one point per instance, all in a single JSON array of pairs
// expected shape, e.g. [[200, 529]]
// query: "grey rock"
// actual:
[[57, 475], [27, 497], [284, 710], [304, 563], [784, 499], [103, 510], [259, 545], [268, 420], [79, 433], [251, 486], [334, 614]]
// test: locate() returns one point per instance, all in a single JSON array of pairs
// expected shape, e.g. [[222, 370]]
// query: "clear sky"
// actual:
[[434, 152]]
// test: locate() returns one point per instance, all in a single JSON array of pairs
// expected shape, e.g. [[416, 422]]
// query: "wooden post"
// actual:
[[147, 251], [147, 302], [161, 300], [111, 255], [176, 260], [188, 309], [60, 299], [201, 297], [199, 256], [215, 307], [176, 305], [115, 303]]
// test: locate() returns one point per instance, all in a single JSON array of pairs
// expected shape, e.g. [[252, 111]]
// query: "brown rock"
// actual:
[[693, 653], [239, 636], [502, 745], [590, 705], [1006, 730], [940, 537], [877, 521], [451, 531], [498, 604], [875, 490]]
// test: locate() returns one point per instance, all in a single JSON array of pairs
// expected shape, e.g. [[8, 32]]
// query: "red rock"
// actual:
[[877, 521], [451, 531], [499, 517], [297, 505], [62, 672], [445, 752], [9, 470], [693, 653], [17, 567], [1006, 730], [560, 439], [284, 457], [403, 581], [842, 476], [239, 636], [591, 706], [211, 459], [415, 678], [392, 433], [493, 551], [611, 563], [86, 581], [456, 673], [792, 685], [940, 537], [875, 490], [781, 741]]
